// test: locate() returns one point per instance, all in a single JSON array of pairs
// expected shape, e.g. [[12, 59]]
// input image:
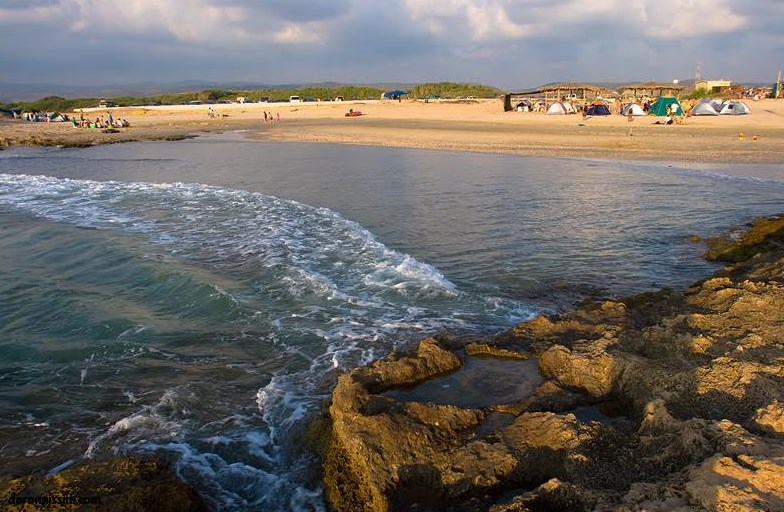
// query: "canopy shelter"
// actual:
[[393, 95], [660, 106], [573, 92], [569, 91], [650, 89]]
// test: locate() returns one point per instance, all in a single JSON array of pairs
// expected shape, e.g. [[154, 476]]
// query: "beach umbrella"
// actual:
[[394, 94]]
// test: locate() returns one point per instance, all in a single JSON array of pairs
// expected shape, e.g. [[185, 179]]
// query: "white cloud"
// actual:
[[299, 33], [197, 21], [202, 22], [674, 19], [498, 20]]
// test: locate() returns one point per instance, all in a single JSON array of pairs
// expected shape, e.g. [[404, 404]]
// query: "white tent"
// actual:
[[560, 108], [635, 108], [734, 108], [704, 109]]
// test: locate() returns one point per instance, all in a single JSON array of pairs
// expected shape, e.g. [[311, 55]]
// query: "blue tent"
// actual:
[[393, 95], [597, 109]]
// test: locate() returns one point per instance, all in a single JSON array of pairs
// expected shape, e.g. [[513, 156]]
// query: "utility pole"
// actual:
[[778, 85]]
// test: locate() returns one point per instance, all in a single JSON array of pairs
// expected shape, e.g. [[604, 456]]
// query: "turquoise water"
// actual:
[[200, 297]]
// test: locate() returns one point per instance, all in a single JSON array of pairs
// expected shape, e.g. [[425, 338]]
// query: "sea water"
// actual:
[[199, 298]]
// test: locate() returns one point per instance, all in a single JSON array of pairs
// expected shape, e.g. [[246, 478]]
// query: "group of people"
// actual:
[[107, 121], [269, 118]]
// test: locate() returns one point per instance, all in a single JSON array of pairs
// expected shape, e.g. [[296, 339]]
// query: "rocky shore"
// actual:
[[122, 484], [663, 401]]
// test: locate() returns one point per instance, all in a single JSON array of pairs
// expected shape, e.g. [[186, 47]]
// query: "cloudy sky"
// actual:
[[510, 44]]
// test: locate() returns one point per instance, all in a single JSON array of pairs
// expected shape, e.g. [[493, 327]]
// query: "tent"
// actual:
[[597, 108], [56, 117], [659, 107], [560, 108], [703, 109], [734, 108], [635, 108], [524, 106], [393, 95]]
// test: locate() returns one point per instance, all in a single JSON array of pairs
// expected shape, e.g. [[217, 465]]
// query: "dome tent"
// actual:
[[659, 107], [597, 108], [635, 108], [736, 108], [560, 108], [704, 109]]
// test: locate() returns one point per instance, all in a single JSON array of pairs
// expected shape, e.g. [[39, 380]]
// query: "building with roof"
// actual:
[[713, 86]]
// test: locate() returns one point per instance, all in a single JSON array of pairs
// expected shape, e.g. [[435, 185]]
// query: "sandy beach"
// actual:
[[468, 125]]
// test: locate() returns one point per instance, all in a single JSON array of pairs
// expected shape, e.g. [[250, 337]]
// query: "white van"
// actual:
[[295, 99]]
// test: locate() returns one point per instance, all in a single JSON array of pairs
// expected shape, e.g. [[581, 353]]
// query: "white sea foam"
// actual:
[[317, 289]]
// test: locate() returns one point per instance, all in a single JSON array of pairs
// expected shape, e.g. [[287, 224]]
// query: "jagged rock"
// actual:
[[695, 379], [123, 484], [770, 419], [591, 369], [762, 234], [485, 349], [742, 483], [551, 495], [430, 360]]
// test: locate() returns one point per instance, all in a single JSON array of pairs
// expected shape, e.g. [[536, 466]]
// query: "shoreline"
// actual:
[[475, 126], [583, 492], [660, 401]]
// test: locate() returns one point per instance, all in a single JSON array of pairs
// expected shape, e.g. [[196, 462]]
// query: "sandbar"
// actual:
[[467, 125]]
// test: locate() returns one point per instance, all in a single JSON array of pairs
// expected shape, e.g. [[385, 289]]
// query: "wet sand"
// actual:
[[480, 126]]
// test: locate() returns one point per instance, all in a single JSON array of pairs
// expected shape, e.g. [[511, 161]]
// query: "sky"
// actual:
[[509, 44]]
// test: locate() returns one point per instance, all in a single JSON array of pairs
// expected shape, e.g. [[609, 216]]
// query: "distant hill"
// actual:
[[12, 92]]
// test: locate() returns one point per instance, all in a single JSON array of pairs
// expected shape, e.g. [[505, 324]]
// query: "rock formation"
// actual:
[[662, 401], [122, 484]]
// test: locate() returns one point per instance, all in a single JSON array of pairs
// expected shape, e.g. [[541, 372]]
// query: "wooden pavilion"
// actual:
[[569, 91], [650, 89]]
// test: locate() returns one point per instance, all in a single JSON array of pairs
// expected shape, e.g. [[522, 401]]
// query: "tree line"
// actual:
[[446, 90]]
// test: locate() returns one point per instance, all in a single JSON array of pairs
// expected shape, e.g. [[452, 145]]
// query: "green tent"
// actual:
[[659, 107]]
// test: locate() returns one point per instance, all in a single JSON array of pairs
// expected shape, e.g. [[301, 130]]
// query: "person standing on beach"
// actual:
[[265, 116]]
